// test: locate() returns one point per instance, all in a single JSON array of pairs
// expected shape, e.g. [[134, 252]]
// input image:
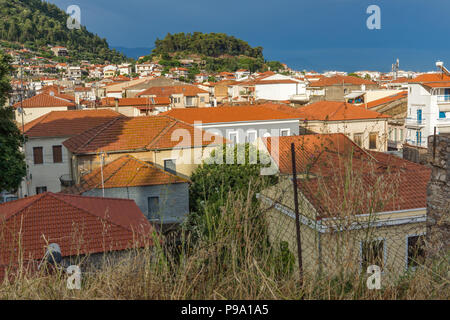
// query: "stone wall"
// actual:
[[438, 195]]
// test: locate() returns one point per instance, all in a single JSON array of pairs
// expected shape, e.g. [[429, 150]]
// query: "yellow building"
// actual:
[[171, 144], [357, 208]]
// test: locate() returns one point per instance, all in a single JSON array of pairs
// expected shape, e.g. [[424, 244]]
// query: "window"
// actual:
[[232, 136], [441, 115], [284, 132], [401, 134], [373, 140], [153, 207], [57, 154], [251, 136], [41, 190], [357, 138], [38, 155], [416, 251], [202, 99], [170, 166], [395, 135], [372, 253], [189, 101]]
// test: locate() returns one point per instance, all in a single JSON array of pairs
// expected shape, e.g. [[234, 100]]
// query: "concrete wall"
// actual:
[[261, 127], [350, 128], [173, 199], [48, 173], [34, 113]]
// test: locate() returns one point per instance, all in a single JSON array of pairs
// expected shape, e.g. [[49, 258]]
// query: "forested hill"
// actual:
[[208, 44], [37, 24]]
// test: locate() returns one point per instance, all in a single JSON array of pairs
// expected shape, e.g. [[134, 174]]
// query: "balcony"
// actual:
[[299, 97], [415, 123], [443, 124], [66, 180], [443, 102]]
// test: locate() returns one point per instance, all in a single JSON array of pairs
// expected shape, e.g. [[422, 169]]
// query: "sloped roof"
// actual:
[[431, 77], [336, 111], [68, 123], [44, 100], [260, 112], [166, 91], [338, 79], [80, 225], [345, 178], [126, 171], [134, 102], [394, 97], [139, 134]]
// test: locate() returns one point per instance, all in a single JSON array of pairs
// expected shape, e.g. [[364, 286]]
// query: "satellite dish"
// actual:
[[20, 110]]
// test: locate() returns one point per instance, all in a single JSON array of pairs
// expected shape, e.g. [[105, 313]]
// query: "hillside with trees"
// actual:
[[37, 24], [217, 52]]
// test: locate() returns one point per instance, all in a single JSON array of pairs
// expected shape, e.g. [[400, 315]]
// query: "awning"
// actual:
[[354, 94]]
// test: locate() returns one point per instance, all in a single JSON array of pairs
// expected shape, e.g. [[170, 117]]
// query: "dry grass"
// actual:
[[232, 260]]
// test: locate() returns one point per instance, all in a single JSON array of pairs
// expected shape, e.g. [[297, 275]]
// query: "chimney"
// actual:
[[438, 195], [116, 103]]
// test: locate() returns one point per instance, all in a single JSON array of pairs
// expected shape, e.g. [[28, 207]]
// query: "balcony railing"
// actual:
[[415, 121], [443, 98]]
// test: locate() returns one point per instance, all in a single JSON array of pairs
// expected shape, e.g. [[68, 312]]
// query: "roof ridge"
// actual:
[[61, 196], [162, 132], [37, 198], [103, 126]]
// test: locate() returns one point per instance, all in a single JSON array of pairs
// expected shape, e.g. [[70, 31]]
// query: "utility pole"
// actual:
[[297, 215]]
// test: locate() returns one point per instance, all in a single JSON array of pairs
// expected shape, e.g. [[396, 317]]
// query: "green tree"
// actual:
[[216, 177], [12, 160]]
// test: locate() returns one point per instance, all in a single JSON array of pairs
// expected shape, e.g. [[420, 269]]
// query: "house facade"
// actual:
[[428, 107], [162, 196], [47, 159], [240, 124], [341, 231]]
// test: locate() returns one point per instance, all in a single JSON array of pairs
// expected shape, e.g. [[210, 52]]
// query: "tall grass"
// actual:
[[233, 260]]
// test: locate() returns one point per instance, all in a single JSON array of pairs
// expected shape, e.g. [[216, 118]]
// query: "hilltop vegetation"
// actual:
[[217, 51], [207, 44], [37, 24]]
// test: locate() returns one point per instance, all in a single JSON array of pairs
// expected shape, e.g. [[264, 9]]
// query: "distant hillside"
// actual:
[[217, 51], [208, 44], [37, 24]]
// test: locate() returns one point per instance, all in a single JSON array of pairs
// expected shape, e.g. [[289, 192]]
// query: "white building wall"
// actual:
[[48, 173], [34, 113]]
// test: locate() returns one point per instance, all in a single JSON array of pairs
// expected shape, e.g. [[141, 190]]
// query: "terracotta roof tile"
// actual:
[[230, 114], [80, 225], [68, 123], [126, 171], [334, 111], [394, 97], [330, 158], [329, 81], [139, 134], [167, 91], [44, 100]]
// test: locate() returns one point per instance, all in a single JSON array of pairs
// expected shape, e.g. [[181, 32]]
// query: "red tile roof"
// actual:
[[68, 123], [394, 97], [338, 79], [80, 225], [379, 182], [167, 91], [44, 100], [260, 112], [134, 102], [335, 111], [126, 171], [139, 134], [431, 77]]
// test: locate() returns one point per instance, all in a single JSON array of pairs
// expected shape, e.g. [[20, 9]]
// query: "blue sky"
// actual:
[[306, 34]]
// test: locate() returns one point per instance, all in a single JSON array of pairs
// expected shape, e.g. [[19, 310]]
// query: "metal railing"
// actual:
[[443, 98], [415, 121]]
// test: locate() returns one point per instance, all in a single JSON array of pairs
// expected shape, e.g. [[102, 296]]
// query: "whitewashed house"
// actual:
[[428, 106]]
